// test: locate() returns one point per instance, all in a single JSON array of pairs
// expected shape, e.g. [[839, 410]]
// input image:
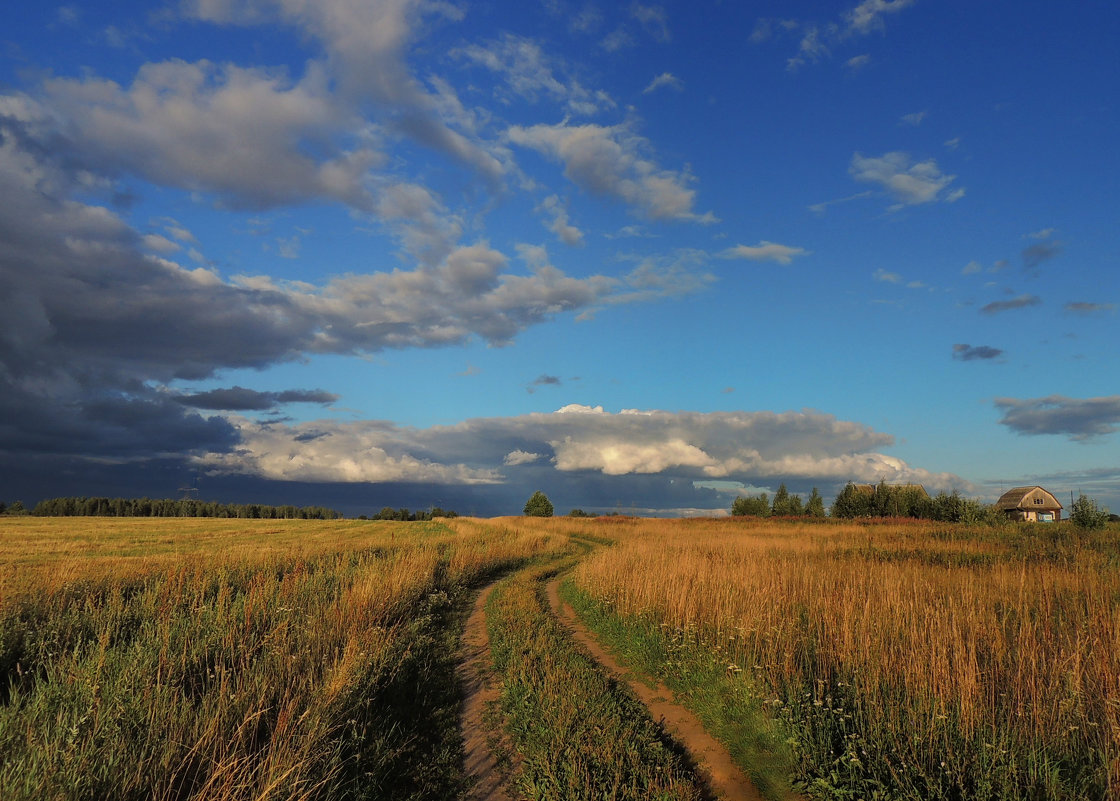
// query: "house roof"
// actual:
[[1023, 498]]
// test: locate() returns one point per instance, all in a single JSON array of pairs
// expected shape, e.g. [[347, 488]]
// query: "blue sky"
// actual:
[[642, 256]]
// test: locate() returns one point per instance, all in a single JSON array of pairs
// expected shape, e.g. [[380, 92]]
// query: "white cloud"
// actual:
[[560, 225], [514, 458], [909, 183], [749, 447], [887, 277], [244, 134], [529, 73], [868, 15], [654, 19], [663, 81], [914, 119], [366, 46], [611, 161], [357, 452], [764, 251]]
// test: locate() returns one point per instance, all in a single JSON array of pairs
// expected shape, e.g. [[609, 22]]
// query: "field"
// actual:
[[236, 659]]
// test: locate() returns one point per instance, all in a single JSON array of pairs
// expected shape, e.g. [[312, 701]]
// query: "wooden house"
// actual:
[[1030, 503]]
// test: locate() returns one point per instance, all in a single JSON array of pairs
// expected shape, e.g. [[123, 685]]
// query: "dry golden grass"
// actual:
[[236, 659], [921, 633]]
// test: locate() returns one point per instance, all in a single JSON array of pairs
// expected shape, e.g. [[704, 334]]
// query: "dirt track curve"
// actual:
[[723, 775]]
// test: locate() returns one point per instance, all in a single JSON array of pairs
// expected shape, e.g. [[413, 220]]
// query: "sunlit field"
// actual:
[[907, 660], [233, 659], [252, 659]]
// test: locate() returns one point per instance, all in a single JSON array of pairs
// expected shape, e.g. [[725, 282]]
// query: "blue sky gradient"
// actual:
[[642, 256]]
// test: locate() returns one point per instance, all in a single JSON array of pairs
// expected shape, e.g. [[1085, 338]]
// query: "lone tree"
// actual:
[[538, 505]]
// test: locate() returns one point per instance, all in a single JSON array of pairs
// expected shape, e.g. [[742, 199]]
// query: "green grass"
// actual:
[[716, 691], [579, 733]]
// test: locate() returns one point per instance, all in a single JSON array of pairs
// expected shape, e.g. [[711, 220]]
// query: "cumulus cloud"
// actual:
[[909, 183], [969, 353], [244, 134], [99, 316], [1080, 419], [764, 251], [579, 440], [365, 452], [1018, 302], [514, 458], [560, 224], [612, 161], [366, 47]]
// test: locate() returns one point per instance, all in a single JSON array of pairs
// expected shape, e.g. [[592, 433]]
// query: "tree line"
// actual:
[[783, 505], [168, 507], [403, 514], [862, 500]]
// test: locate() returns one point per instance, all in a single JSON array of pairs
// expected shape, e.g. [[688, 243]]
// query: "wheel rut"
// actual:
[[479, 692], [724, 777]]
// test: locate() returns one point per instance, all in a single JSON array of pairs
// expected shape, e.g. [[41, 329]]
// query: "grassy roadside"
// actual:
[[710, 687], [913, 661], [579, 733]]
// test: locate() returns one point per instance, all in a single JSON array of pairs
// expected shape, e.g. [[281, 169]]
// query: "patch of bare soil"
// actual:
[[475, 674], [723, 776]]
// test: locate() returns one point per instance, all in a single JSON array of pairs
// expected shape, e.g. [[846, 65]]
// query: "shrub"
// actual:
[[1086, 514]]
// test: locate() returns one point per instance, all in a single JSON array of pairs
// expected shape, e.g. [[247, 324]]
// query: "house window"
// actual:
[[1038, 501]]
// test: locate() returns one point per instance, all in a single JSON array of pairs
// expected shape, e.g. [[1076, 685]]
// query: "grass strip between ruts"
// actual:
[[580, 734]]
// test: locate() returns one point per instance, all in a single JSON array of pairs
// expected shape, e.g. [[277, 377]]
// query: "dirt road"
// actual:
[[723, 775]]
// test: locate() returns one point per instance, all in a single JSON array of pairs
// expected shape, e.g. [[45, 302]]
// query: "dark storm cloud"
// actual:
[[97, 317], [240, 399], [1019, 302], [968, 353], [1078, 418]]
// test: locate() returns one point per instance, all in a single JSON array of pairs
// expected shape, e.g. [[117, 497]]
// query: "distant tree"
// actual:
[[538, 505], [853, 501], [781, 505], [16, 509], [815, 506], [758, 506], [578, 513], [1086, 514]]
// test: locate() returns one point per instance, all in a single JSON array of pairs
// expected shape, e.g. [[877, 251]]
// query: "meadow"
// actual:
[[173, 659], [291, 659], [897, 659]]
